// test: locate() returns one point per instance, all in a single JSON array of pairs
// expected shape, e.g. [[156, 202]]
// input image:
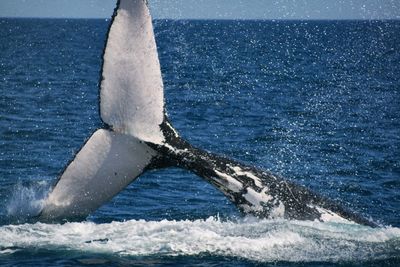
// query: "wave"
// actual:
[[250, 239]]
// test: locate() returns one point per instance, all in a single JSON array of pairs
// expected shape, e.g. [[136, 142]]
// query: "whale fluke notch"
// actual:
[[140, 137]]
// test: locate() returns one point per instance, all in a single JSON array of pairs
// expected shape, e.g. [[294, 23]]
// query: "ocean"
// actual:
[[317, 102]]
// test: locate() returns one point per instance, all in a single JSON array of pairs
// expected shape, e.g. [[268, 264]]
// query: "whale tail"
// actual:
[[132, 110], [138, 136]]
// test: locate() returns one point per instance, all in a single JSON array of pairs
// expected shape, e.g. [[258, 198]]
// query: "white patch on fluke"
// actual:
[[230, 182], [240, 172], [329, 216], [256, 198]]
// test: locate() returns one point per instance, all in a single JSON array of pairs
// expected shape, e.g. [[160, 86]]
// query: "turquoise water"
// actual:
[[317, 102]]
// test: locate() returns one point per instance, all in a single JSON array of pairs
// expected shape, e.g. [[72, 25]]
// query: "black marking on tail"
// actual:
[[299, 202]]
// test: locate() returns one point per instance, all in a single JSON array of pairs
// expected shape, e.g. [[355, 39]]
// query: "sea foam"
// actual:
[[255, 240]]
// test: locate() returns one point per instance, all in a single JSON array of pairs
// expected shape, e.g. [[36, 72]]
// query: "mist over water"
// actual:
[[316, 102]]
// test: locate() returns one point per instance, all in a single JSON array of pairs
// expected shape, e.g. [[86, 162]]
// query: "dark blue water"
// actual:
[[315, 101]]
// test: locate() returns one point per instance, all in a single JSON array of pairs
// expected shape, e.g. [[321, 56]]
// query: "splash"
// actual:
[[26, 201], [255, 240]]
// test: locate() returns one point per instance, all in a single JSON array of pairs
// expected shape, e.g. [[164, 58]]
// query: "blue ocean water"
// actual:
[[317, 102]]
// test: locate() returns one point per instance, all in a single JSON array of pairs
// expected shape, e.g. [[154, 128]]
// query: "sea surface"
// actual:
[[317, 102]]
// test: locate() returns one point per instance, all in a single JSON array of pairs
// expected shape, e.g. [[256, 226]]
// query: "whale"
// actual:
[[137, 136]]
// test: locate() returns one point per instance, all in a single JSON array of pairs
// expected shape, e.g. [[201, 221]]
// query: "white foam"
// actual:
[[262, 241]]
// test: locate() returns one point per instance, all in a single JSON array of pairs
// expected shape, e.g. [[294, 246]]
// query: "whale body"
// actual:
[[137, 136]]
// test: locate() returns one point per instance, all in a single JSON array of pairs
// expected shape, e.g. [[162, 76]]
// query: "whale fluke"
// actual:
[[107, 163], [132, 110], [131, 87], [138, 136]]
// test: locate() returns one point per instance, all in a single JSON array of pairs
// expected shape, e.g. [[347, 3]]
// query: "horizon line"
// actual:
[[211, 19]]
